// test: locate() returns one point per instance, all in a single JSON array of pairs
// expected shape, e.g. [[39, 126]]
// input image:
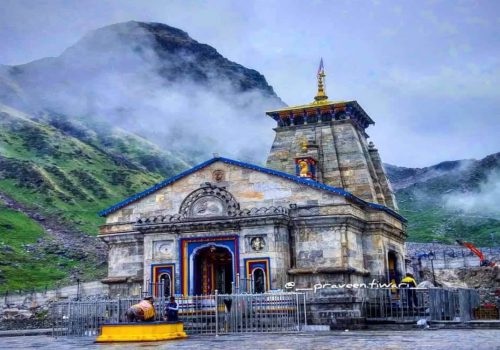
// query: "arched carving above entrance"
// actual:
[[209, 201]]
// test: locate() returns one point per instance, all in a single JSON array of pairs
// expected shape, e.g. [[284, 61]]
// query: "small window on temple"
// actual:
[[259, 281]]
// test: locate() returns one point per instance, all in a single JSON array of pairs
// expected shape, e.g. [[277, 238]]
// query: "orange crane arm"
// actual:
[[484, 262], [474, 250]]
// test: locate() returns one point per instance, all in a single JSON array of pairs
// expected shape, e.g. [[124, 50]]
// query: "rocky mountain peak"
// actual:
[[128, 46], [137, 75]]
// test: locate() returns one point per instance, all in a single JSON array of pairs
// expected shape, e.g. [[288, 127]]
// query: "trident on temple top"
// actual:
[[321, 95]]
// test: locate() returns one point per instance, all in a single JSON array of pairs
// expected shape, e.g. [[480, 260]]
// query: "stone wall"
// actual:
[[344, 158], [446, 256], [385, 185], [319, 233], [85, 289], [250, 188], [30, 310], [129, 251]]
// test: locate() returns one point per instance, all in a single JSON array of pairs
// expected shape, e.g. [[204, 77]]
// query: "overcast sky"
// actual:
[[427, 72]]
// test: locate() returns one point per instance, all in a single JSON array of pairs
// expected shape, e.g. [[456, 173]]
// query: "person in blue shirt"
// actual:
[[172, 310]]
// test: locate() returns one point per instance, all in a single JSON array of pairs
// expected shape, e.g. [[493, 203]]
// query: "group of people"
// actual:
[[145, 311]]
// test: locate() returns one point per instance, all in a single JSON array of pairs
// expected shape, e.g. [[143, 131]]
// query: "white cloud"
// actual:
[[441, 58], [106, 77], [484, 201]]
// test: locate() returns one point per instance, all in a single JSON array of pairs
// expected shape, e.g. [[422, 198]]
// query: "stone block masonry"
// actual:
[[345, 160]]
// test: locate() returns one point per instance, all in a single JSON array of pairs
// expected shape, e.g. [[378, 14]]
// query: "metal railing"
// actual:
[[202, 314], [411, 304], [262, 313], [163, 290]]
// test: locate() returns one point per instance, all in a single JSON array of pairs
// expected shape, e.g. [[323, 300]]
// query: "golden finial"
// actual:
[[321, 95]]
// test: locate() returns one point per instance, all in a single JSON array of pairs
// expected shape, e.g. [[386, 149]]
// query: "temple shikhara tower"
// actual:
[[321, 211], [331, 137]]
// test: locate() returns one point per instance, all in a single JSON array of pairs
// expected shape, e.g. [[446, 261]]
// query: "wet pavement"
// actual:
[[477, 339]]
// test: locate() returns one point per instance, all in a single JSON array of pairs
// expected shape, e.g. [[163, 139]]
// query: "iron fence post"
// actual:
[[216, 313], [118, 310], [297, 308], [237, 283], [305, 310]]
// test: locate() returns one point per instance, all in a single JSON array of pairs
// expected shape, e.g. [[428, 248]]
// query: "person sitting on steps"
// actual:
[[172, 310]]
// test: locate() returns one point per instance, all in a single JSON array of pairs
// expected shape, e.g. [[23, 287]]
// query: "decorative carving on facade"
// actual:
[[176, 218], [163, 249], [257, 243], [312, 211], [218, 175], [263, 211], [209, 201], [207, 206]]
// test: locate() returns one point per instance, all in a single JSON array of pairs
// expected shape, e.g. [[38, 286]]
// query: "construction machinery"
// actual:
[[472, 247]]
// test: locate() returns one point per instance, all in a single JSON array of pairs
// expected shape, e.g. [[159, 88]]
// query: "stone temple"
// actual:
[[321, 211]]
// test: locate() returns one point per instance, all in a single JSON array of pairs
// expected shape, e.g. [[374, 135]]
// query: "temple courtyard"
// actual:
[[477, 339]]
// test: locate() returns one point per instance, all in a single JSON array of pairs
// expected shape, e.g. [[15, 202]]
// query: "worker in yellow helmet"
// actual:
[[410, 284], [143, 311]]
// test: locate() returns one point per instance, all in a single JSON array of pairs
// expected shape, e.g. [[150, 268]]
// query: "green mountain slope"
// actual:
[[19, 266], [451, 200], [62, 175]]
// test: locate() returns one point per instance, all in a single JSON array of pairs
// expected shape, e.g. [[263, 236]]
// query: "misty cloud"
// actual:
[[484, 201], [116, 75], [403, 72]]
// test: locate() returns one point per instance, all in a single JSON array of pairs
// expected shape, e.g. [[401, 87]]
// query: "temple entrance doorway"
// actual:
[[213, 270], [394, 277], [392, 260]]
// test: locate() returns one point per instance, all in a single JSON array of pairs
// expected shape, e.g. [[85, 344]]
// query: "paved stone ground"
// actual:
[[421, 339]]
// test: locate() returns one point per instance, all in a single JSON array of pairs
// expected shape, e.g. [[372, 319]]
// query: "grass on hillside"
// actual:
[[61, 176], [429, 222], [22, 268]]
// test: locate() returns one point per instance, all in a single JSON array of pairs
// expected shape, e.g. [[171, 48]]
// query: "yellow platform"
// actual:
[[141, 331]]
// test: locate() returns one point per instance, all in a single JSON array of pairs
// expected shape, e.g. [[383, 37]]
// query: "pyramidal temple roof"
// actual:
[[297, 179], [322, 105]]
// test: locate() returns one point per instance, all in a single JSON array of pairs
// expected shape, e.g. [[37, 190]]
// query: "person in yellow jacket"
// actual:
[[409, 282], [143, 311]]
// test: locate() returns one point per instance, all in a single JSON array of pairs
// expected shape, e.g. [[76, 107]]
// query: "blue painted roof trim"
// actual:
[[303, 181]]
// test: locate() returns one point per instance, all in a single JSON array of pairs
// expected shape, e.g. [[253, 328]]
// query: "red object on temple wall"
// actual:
[[306, 167]]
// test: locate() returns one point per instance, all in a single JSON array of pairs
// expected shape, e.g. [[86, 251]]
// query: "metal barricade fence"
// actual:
[[201, 314], [267, 312], [261, 313], [411, 304], [82, 318]]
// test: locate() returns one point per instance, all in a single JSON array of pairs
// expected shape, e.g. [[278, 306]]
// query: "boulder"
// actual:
[[16, 314]]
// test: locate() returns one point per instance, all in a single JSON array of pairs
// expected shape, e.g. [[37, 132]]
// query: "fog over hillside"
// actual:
[[484, 201], [450, 200], [153, 80]]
